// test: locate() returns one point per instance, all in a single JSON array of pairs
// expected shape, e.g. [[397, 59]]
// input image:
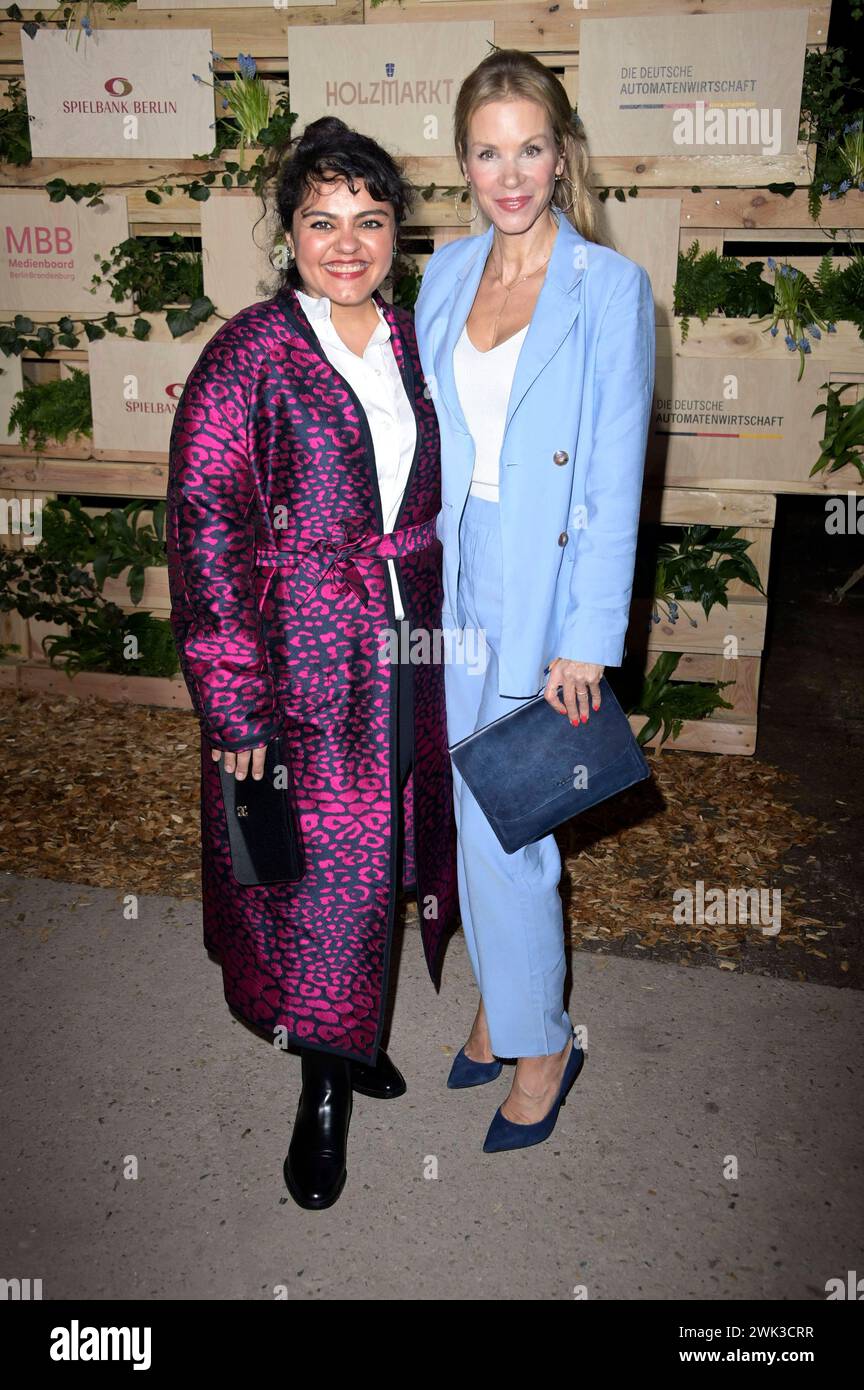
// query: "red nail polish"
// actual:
[[584, 719], [575, 722], [595, 706]]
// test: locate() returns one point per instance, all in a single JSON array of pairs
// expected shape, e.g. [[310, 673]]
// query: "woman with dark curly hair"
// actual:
[[303, 494]]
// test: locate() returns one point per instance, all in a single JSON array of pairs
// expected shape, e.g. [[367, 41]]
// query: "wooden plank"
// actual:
[[712, 666], [723, 337], [660, 175], [706, 736], [262, 32], [759, 553], [744, 620], [542, 27], [128, 480], [167, 693], [155, 598], [54, 450], [691, 506], [821, 235]]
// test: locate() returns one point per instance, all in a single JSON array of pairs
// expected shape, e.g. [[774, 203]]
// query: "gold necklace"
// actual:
[[507, 289]]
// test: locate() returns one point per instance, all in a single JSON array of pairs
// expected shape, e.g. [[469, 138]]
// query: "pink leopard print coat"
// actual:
[[279, 592]]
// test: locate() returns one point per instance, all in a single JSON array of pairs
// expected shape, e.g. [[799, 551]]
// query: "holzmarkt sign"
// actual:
[[394, 82]]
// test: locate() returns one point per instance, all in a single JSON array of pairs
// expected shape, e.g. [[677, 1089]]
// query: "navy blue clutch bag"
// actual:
[[531, 770]]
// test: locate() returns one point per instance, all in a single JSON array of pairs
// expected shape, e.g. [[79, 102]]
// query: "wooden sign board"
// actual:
[[235, 240], [135, 388], [700, 84], [394, 82], [50, 252], [121, 94], [647, 231], [717, 420]]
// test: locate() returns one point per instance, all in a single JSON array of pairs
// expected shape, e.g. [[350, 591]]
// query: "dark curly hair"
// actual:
[[327, 151]]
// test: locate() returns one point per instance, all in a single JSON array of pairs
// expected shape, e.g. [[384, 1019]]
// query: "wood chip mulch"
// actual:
[[106, 795]]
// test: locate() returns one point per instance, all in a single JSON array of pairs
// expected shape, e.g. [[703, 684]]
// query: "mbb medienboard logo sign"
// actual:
[[48, 255], [38, 241]]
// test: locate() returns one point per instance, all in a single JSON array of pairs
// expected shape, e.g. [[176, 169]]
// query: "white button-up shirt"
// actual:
[[377, 381]]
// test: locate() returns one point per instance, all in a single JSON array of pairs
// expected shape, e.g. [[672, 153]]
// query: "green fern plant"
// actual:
[[53, 410], [707, 283], [839, 283]]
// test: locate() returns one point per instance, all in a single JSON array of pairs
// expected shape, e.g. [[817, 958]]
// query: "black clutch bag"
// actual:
[[263, 825], [531, 770]]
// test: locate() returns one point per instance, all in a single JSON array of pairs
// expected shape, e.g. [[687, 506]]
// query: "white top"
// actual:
[[484, 380], [377, 381]]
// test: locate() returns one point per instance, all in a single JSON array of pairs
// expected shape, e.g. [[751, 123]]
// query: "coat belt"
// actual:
[[320, 555]]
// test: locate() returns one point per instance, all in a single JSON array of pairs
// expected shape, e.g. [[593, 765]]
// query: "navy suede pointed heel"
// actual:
[[506, 1134], [466, 1072]]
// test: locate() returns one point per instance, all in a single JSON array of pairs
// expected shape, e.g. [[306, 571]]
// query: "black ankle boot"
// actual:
[[315, 1168], [383, 1080]]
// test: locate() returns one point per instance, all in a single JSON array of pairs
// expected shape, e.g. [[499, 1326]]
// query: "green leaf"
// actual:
[[179, 322], [135, 580], [159, 512], [649, 729], [201, 308]]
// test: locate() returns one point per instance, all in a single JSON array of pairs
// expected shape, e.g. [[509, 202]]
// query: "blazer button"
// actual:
[[562, 539], [560, 456]]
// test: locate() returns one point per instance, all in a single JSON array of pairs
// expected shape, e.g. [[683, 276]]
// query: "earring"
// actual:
[[280, 253], [558, 179], [456, 201]]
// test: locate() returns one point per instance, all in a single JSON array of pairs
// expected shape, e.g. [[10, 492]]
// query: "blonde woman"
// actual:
[[538, 346]]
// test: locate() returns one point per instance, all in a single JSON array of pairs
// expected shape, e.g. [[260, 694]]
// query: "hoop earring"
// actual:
[[558, 179], [457, 198]]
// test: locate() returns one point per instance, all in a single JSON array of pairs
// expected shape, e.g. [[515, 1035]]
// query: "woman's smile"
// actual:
[[347, 270]]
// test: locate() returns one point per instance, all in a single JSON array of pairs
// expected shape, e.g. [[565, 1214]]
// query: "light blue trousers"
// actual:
[[510, 904]]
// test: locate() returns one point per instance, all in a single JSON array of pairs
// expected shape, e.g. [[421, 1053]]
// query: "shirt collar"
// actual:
[[317, 309]]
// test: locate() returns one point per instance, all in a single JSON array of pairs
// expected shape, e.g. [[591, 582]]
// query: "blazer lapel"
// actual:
[[555, 312], [455, 310]]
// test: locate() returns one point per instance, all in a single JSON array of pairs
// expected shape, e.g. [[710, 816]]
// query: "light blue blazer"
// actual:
[[572, 456]]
